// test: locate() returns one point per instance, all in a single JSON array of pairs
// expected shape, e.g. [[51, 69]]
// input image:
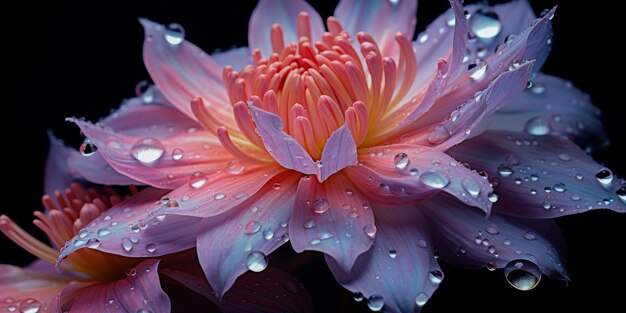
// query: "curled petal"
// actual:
[[541, 177], [339, 152], [399, 268]]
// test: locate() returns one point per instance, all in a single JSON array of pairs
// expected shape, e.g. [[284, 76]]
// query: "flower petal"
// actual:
[[539, 177], [141, 291], [183, 71], [400, 266], [58, 175], [238, 58], [339, 152], [332, 217], [553, 106], [285, 13], [147, 224], [280, 145], [165, 162], [17, 284], [464, 237], [225, 242], [381, 19], [406, 173]]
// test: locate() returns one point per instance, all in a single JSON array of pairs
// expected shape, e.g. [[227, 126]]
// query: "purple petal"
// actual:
[[23, 283], [406, 173], [183, 71], [285, 13], [283, 148], [226, 242], [553, 106], [333, 217], [464, 237], [141, 291], [238, 58], [540, 177], [400, 266], [381, 19], [339, 152], [58, 175]]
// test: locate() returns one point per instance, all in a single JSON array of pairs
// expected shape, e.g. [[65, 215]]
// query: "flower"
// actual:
[[360, 144]]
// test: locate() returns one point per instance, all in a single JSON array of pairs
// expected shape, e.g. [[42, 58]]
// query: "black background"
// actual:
[[82, 59]]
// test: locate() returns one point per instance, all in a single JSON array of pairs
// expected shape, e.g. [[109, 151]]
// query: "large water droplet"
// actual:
[[436, 277], [29, 305], [434, 179], [147, 150], [370, 230], [505, 170], [559, 187], [605, 176], [177, 154], [197, 180], [151, 247], [87, 148], [401, 160], [127, 245], [493, 197], [174, 34], [256, 261], [485, 24], [320, 206], [471, 186], [522, 274], [438, 134], [103, 232], [477, 69], [621, 193], [93, 243], [252, 227], [235, 167], [537, 126], [375, 302], [268, 233], [421, 299]]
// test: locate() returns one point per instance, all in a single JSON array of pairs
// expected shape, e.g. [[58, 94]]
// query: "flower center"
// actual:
[[74, 209], [317, 87]]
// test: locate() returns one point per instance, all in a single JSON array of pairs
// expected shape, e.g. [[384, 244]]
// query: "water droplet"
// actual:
[[235, 167], [493, 197], [177, 154], [197, 180], [471, 186], [434, 179], [537, 89], [268, 234], [401, 160], [357, 296], [103, 232], [143, 91], [256, 261], [492, 266], [219, 196], [605, 176], [252, 227], [522, 274], [421, 299], [151, 247], [370, 230], [530, 236], [621, 193], [276, 186], [537, 126], [547, 205], [375, 302], [422, 243], [477, 69], [320, 206], [393, 254], [309, 224], [514, 64], [174, 34], [147, 150], [505, 170], [422, 38], [485, 24], [492, 229], [29, 305], [436, 277], [285, 237], [559, 187], [93, 243], [438, 134], [87, 148], [565, 157], [127, 245]]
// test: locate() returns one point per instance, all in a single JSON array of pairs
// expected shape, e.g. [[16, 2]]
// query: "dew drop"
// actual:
[[320, 206], [256, 261], [604, 176], [559, 187], [103, 232], [492, 229], [370, 230], [413, 171], [87, 148], [127, 245], [197, 180], [29, 305], [422, 244], [219, 196], [93, 243], [174, 34], [235, 167], [375, 302], [485, 24], [522, 274], [421, 299], [438, 134], [504, 170], [143, 91], [393, 254], [477, 69], [151, 247], [492, 266], [434, 179], [471, 186], [147, 150], [177, 154], [309, 224], [357, 296], [537, 126], [268, 233], [493, 197], [530, 236], [621, 193], [401, 160], [436, 277], [252, 227], [547, 205]]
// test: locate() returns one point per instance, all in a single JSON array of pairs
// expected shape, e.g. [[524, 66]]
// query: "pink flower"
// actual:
[[358, 143]]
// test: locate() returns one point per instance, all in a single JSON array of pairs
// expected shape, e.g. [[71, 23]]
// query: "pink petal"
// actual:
[[539, 177], [400, 266], [147, 224], [464, 237], [225, 242], [280, 145], [339, 152], [22, 283], [238, 58], [382, 19], [333, 217], [285, 13], [139, 290], [553, 106], [58, 175], [171, 158], [95, 169], [406, 173], [183, 71]]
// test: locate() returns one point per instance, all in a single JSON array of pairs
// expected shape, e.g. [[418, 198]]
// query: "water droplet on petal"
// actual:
[[492, 229], [309, 224], [103, 232], [621, 193], [87, 148], [177, 154], [252, 227], [505, 170], [174, 34], [256, 261], [268, 234], [393, 254], [127, 245], [401, 160], [492, 266], [422, 243], [235, 167], [320, 206], [604, 176], [522, 274], [547, 205], [438, 134], [197, 180], [530, 236], [477, 69], [471, 186], [559, 187], [537, 126], [493, 197], [29, 305], [151, 247], [93, 243], [357, 296], [485, 24], [434, 179], [421, 299], [143, 91], [375, 302], [219, 196], [370, 230], [436, 277], [147, 150]]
